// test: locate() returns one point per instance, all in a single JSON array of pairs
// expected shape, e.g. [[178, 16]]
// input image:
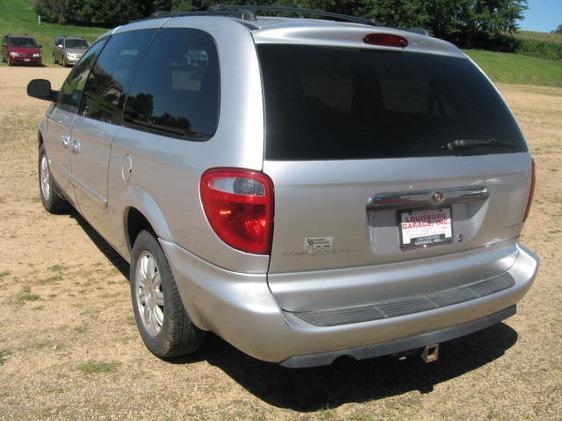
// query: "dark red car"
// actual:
[[20, 49]]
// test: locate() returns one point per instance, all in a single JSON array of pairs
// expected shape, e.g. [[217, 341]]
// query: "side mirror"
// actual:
[[39, 46], [5, 45], [41, 89], [59, 45]]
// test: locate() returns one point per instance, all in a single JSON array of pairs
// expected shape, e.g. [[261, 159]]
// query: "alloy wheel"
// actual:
[[45, 179], [149, 293]]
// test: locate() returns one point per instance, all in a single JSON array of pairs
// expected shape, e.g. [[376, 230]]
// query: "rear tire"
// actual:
[[50, 196], [164, 326]]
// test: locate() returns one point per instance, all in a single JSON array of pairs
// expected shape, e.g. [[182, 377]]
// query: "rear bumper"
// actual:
[[242, 310], [400, 345]]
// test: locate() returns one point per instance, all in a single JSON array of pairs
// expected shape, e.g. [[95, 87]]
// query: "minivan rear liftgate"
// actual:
[[401, 182]]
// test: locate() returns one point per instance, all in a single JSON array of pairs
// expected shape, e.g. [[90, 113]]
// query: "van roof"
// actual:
[[288, 30], [341, 34]]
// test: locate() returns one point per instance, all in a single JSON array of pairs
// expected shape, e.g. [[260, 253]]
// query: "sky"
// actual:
[[542, 15]]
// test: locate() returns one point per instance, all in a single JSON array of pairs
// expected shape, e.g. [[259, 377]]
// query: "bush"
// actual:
[[504, 43], [541, 49], [97, 12]]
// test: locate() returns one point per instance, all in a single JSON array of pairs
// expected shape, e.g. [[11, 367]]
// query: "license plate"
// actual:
[[425, 228], [26, 59]]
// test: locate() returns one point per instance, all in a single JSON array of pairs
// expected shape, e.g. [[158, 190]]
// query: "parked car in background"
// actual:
[[306, 189], [20, 49], [69, 50]]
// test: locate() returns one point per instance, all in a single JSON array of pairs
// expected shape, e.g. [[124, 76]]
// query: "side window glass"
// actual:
[[71, 91], [104, 93], [176, 90]]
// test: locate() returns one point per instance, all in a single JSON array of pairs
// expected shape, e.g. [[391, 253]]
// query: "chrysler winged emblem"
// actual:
[[437, 197]]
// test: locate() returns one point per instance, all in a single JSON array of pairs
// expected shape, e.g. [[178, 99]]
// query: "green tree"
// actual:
[[50, 10], [466, 22], [488, 19], [558, 30], [396, 13]]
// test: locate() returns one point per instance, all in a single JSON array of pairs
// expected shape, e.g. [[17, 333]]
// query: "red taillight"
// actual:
[[239, 207], [531, 190], [387, 40]]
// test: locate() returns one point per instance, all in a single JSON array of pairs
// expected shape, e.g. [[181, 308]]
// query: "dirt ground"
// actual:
[[69, 347]]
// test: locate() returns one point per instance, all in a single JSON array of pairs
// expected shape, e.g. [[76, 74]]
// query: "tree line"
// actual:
[[468, 23]]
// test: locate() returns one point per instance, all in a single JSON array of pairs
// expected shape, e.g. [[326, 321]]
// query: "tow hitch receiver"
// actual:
[[430, 353]]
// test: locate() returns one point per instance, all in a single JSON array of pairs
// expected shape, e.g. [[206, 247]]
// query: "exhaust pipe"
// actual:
[[430, 353]]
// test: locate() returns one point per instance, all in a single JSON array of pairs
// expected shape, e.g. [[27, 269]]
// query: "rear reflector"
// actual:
[[387, 40], [531, 190], [239, 207]]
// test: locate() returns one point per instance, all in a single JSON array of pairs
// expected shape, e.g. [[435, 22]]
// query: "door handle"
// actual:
[[75, 145], [65, 141]]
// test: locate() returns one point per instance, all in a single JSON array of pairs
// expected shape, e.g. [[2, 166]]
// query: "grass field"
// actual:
[[519, 69], [18, 17], [540, 36]]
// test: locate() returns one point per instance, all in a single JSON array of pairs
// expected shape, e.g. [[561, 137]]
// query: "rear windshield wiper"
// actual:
[[469, 143]]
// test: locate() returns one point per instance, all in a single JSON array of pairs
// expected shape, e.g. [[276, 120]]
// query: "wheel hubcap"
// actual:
[[149, 294], [45, 179]]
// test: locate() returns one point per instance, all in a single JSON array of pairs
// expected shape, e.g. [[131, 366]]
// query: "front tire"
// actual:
[[50, 195], [162, 321]]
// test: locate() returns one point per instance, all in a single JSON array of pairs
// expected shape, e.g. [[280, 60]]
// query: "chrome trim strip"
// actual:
[[427, 198], [92, 194], [63, 171]]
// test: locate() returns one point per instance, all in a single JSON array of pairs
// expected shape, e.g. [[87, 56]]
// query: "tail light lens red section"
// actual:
[[532, 190], [387, 40], [239, 207]]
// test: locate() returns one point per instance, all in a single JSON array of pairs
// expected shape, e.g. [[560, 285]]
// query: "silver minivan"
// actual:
[[304, 188]]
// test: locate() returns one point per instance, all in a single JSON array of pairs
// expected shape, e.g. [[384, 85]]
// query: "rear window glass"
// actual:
[[326, 103]]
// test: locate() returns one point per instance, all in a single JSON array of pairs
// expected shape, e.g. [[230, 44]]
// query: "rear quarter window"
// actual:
[[176, 90]]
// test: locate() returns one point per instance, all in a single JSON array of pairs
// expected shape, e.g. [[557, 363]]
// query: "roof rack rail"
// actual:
[[249, 13], [255, 9], [239, 14], [416, 30]]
